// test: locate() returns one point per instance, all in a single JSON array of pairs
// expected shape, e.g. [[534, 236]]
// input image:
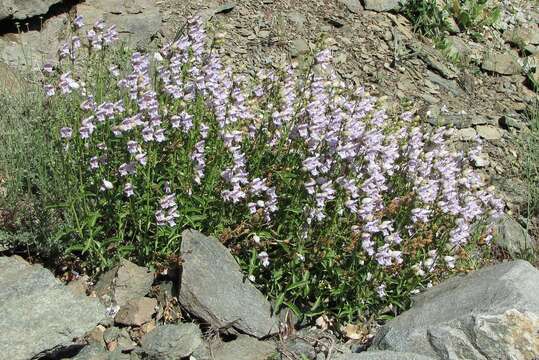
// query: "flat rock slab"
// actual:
[[38, 315], [214, 289], [487, 314]]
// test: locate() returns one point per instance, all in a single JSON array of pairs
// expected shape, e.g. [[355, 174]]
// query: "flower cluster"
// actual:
[[286, 155]]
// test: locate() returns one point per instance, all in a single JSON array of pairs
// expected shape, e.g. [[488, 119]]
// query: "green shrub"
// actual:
[[432, 19], [329, 205]]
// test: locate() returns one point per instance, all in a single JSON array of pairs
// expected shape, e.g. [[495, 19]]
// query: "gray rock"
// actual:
[[299, 47], [523, 35], [171, 342], [471, 317], [384, 355], [297, 19], [300, 348], [449, 85], [511, 236], [92, 352], [136, 20], [354, 6], [124, 282], [222, 298], [511, 121], [244, 348], [23, 9], [225, 8], [457, 47], [501, 63], [434, 116], [452, 25], [382, 5], [34, 48], [466, 134], [489, 132], [38, 315], [136, 312], [434, 60]]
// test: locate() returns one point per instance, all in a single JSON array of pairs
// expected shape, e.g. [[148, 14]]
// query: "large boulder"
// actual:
[[23, 9], [488, 314], [39, 316], [214, 289]]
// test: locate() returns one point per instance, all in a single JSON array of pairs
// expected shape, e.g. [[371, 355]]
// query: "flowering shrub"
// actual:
[[330, 205]]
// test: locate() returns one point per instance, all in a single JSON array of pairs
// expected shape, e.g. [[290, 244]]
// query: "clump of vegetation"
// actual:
[[330, 205], [432, 19]]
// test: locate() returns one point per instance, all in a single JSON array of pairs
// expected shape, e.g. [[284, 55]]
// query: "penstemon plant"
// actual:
[[330, 205]]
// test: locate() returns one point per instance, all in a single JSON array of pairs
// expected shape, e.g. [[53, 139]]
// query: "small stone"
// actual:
[[452, 25], [171, 342], [245, 348], [338, 23], [112, 334], [481, 161], [382, 5], [354, 6], [96, 335], [223, 9], [298, 19], [136, 312], [300, 348], [489, 132], [466, 134], [385, 355], [299, 47], [511, 121], [501, 63], [124, 282], [512, 237], [93, 352], [79, 286], [457, 47], [522, 36]]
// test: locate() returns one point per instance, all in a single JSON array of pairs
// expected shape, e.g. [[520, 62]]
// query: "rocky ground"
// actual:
[[131, 312], [479, 88]]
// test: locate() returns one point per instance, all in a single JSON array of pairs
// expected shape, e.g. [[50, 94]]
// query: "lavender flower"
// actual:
[[167, 212], [49, 90], [78, 21], [66, 133], [128, 190], [106, 185]]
